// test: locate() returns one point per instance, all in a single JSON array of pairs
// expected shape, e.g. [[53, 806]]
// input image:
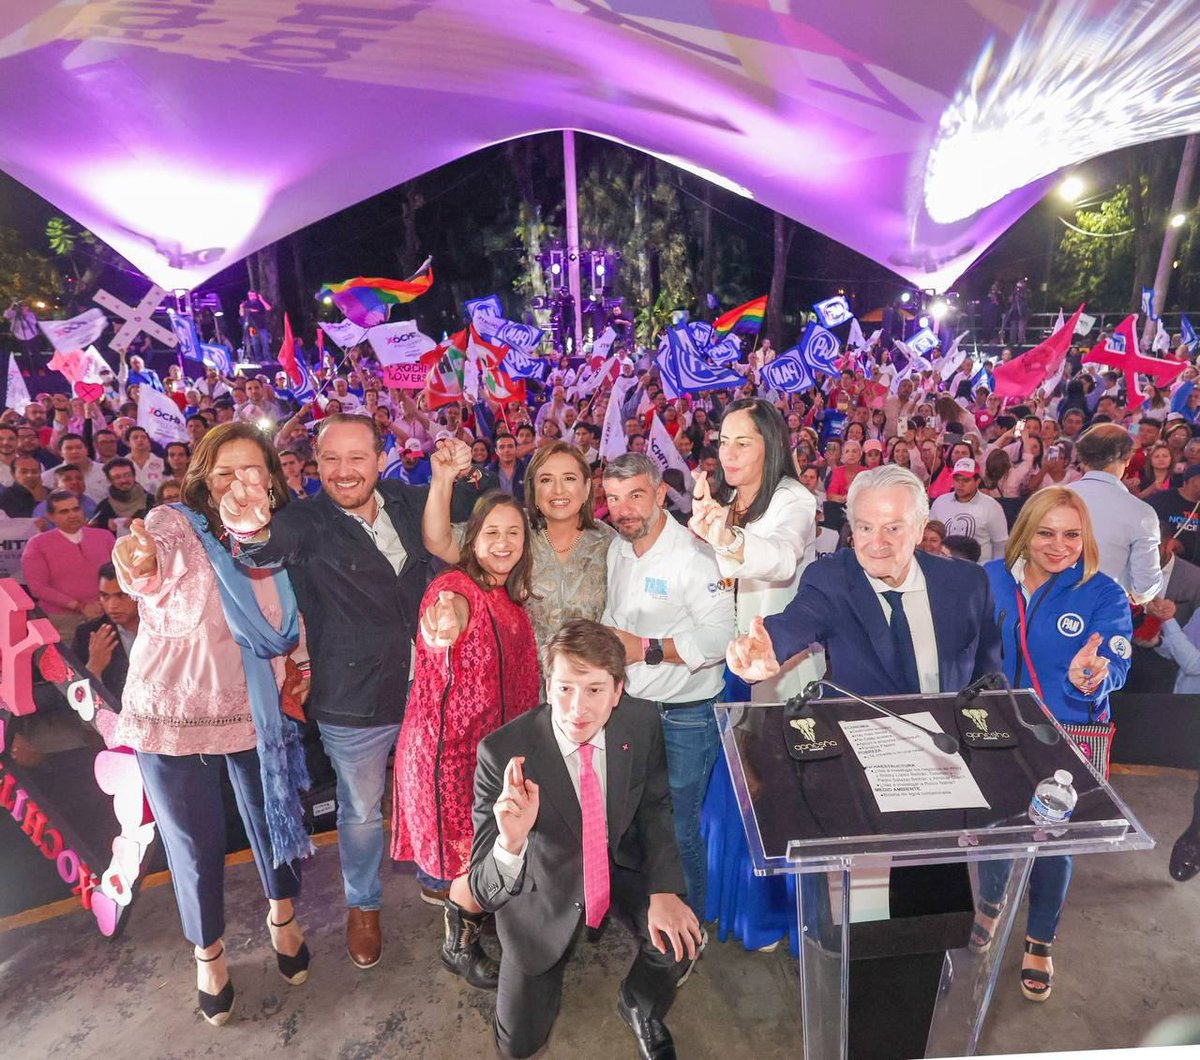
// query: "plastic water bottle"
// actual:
[[1053, 801]]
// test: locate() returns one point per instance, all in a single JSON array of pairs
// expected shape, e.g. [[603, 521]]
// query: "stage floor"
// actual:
[[1127, 959]]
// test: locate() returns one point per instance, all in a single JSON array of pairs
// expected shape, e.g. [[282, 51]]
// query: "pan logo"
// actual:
[[1070, 624]]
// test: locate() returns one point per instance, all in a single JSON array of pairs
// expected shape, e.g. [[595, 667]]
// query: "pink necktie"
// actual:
[[595, 839]]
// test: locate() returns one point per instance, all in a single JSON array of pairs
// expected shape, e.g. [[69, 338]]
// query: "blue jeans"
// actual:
[[691, 742], [1048, 883], [258, 344], [359, 758]]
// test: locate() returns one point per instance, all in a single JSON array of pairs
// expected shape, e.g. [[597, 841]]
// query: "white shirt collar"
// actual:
[[74, 538], [378, 511], [913, 582], [566, 745]]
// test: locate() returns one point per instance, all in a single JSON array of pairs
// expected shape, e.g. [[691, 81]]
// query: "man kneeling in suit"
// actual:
[[604, 835]]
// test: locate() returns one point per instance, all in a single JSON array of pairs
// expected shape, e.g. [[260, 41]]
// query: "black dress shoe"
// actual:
[[653, 1039], [1185, 857]]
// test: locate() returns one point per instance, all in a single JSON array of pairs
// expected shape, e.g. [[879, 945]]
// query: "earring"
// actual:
[[271, 496]]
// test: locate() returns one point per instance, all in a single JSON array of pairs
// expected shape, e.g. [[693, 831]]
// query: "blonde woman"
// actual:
[[1064, 629]]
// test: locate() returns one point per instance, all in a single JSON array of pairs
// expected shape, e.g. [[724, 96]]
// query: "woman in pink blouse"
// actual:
[[203, 694]]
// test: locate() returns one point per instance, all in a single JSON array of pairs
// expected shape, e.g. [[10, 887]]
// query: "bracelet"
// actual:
[[244, 535], [739, 539]]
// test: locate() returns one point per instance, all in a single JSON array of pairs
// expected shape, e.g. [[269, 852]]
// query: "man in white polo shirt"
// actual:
[[674, 615], [969, 513]]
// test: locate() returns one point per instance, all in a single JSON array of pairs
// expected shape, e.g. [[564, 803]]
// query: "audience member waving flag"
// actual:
[[292, 361], [445, 382], [684, 366], [367, 300], [788, 372], [1121, 352], [1187, 333], [818, 348], [744, 319], [1021, 376]]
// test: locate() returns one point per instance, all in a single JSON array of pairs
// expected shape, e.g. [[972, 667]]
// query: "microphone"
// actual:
[[1043, 731], [944, 742]]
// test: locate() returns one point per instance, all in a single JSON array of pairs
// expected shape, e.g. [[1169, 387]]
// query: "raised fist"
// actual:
[[246, 508]]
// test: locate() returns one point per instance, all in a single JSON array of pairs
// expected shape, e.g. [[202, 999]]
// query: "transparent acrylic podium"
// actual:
[[819, 821]]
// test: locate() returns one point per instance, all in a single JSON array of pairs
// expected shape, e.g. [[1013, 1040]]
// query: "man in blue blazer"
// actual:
[[946, 635], [893, 621]]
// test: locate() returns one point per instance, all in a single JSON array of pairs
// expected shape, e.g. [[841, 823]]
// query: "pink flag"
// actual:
[[79, 366], [1021, 376]]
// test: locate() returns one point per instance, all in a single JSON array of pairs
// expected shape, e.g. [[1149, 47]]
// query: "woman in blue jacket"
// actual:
[[1065, 630]]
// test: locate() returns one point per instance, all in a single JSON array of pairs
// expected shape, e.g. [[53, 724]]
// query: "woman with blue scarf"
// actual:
[[203, 694]]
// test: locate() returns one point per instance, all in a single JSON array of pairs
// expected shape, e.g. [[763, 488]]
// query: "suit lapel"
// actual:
[[870, 614], [617, 769], [553, 778]]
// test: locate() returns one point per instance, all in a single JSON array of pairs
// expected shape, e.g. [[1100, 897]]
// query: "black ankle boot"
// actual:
[[461, 951]]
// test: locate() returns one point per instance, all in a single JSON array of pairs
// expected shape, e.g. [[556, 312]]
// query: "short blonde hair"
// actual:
[[1039, 505]]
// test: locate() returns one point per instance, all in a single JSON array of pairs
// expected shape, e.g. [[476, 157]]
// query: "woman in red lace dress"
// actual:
[[476, 669]]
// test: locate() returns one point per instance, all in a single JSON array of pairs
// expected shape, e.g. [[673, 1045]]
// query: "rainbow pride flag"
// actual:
[[744, 320], [367, 300]]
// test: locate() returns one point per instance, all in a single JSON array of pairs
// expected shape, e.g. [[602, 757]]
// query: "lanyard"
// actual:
[[1021, 628]]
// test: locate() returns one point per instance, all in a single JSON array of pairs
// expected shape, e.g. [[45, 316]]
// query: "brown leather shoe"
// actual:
[[364, 942]]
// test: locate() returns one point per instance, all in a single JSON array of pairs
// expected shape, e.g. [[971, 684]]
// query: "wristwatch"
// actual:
[[652, 651]]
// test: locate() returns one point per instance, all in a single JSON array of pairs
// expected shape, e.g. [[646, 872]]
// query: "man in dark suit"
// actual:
[[893, 621], [102, 644], [359, 568], [572, 815]]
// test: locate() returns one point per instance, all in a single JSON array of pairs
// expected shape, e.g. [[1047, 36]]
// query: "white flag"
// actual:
[[345, 333], [399, 343], [604, 343], [160, 416], [660, 447], [76, 333], [855, 340], [1162, 340], [612, 438], [1084, 324], [1058, 324], [18, 392]]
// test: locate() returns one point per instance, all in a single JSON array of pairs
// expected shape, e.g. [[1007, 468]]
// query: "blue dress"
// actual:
[[756, 910]]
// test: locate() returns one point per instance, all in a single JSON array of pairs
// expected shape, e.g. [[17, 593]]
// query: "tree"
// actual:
[[26, 275], [785, 232], [85, 256], [1095, 259]]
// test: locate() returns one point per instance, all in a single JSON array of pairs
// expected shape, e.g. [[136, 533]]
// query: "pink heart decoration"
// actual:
[[89, 391]]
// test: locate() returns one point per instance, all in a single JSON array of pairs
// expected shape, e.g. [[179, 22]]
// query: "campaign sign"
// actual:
[[410, 376]]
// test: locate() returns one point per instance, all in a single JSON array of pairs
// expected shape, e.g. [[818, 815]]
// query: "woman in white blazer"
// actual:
[[762, 524]]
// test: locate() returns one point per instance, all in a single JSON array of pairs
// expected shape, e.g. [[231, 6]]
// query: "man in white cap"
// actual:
[[968, 513]]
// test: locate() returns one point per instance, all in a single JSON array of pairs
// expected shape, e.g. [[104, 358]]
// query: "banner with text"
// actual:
[[161, 417]]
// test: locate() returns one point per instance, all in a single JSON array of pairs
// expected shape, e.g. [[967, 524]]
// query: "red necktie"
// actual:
[[595, 839]]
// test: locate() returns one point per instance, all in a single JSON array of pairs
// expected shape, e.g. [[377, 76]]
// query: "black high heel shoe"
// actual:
[[294, 969], [216, 1008]]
